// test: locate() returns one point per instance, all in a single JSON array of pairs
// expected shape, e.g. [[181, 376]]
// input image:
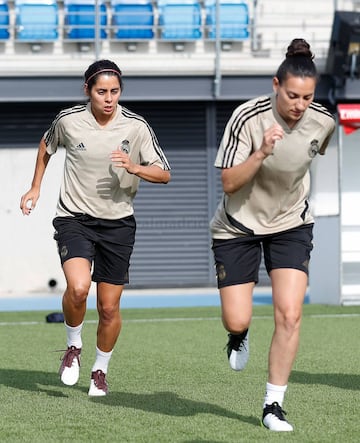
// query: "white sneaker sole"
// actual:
[[273, 423], [238, 359], [94, 391], [70, 376]]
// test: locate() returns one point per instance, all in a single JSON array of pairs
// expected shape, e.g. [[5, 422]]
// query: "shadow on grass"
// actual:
[[166, 403], [169, 403], [201, 441], [32, 381], [343, 381]]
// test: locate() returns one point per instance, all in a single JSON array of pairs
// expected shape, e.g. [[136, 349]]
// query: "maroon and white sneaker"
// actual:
[[70, 366], [98, 384]]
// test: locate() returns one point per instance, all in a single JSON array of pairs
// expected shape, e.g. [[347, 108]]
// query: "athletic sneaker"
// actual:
[[238, 350], [70, 366], [98, 384], [273, 418]]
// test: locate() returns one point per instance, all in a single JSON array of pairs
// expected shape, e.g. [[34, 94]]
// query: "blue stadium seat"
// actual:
[[80, 19], [133, 19], [179, 19], [234, 19], [36, 20], [4, 20]]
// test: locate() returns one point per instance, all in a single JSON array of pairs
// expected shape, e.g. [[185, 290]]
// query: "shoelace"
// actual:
[[70, 353], [236, 341], [276, 410], [99, 380]]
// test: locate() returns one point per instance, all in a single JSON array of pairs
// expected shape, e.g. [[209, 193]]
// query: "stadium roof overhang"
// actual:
[[162, 88]]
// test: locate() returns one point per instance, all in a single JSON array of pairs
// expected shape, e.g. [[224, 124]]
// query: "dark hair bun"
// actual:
[[299, 48]]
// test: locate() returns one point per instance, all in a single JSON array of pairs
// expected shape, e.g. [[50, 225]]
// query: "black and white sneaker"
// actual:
[[238, 350], [273, 418]]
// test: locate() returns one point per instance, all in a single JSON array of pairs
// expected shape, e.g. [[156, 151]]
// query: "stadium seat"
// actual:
[[80, 19], [36, 20], [234, 19], [4, 20], [132, 19], [179, 19]]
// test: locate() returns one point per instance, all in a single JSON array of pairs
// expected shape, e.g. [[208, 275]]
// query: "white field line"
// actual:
[[184, 319]]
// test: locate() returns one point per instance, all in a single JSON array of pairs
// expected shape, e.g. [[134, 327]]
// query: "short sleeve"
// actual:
[[53, 137], [236, 145], [150, 150]]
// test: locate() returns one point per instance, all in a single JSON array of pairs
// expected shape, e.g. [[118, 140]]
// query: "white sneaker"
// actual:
[[98, 384], [70, 366], [238, 350], [273, 418]]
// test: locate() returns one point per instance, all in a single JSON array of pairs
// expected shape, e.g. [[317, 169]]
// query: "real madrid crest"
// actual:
[[220, 272], [314, 148]]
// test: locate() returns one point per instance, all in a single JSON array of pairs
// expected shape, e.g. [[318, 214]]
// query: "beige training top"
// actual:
[[91, 184], [276, 199]]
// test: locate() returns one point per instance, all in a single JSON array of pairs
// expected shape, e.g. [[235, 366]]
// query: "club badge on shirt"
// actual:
[[314, 148], [125, 146]]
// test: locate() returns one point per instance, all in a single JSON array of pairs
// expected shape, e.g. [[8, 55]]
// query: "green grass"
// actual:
[[170, 380]]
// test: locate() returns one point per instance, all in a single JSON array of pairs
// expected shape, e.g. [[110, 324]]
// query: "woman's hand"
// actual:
[[28, 201], [150, 173], [271, 136], [121, 159]]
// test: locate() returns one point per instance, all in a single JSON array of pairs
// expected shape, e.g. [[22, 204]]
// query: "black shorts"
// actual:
[[238, 260], [107, 244]]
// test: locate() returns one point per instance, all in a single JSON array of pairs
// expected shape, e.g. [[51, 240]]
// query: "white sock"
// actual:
[[274, 393], [102, 360], [73, 334]]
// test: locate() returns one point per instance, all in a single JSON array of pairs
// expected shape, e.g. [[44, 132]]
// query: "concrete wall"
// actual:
[[335, 263], [29, 258]]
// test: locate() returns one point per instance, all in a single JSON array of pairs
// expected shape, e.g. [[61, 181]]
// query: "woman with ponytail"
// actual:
[[265, 156]]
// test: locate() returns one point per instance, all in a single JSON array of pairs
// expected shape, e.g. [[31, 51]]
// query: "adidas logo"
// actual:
[[80, 147]]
